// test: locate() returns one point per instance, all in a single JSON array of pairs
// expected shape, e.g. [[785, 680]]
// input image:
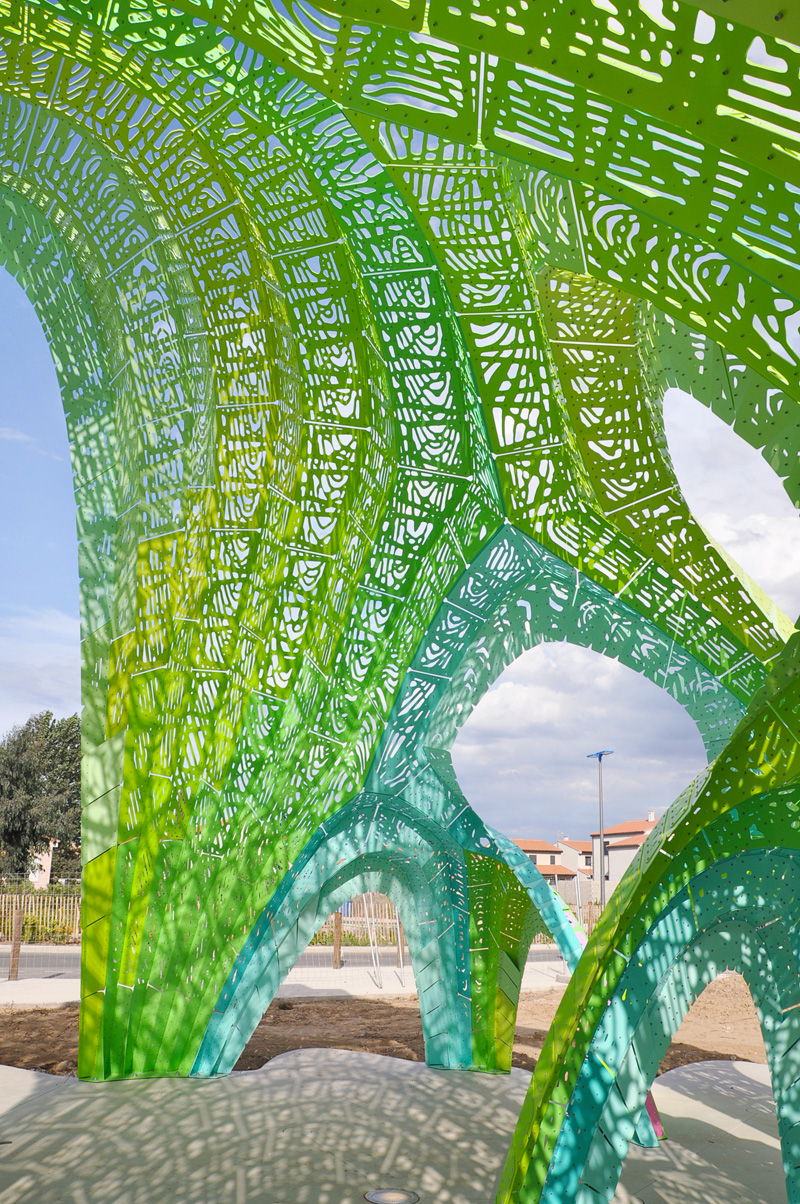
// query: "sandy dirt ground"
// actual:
[[722, 1024]]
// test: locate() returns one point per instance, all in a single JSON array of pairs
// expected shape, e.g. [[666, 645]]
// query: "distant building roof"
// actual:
[[629, 842], [631, 827], [580, 846], [556, 871], [536, 846]]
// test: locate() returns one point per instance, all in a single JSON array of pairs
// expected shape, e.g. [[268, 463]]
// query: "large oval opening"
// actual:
[[736, 496], [521, 756]]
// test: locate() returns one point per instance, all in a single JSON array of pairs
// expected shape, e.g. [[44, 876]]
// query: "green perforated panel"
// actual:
[[362, 317]]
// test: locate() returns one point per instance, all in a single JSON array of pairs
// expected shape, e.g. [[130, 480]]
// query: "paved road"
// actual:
[[360, 955], [43, 961], [63, 961]]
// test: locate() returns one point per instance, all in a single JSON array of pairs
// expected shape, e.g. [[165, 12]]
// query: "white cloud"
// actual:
[[39, 665], [14, 436], [10, 434], [736, 496], [521, 757]]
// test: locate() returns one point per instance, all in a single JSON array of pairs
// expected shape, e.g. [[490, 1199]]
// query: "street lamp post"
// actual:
[[605, 752]]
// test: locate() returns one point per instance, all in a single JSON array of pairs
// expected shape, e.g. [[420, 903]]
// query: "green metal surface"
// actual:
[[362, 318]]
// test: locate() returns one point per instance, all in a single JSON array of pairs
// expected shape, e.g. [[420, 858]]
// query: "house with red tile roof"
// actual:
[[622, 843], [548, 860], [540, 852], [577, 854]]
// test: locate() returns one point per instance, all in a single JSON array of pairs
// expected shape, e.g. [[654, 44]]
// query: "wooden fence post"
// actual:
[[401, 940], [337, 940], [16, 941]]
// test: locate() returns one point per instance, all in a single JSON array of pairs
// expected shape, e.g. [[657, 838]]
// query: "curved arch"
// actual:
[[381, 842], [320, 779], [553, 603], [421, 865], [274, 629], [442, 103], [732, 917], [199, 41], [747, 798], [203, 536], [556, 484], [488, 619], [560, 498]]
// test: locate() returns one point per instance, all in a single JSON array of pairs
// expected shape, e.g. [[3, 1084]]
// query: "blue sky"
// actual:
[[521, 757], [39, 630]]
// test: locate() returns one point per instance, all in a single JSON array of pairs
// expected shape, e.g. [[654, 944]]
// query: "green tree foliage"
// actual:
[[40, 794]]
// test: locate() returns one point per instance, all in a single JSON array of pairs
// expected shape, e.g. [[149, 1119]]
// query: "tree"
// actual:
[[40, 794]]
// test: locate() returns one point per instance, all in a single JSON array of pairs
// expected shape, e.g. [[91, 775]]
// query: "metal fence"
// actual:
[[40, 933], [590, 914], [373, 916], [359, 921], [52, 916], [40, 930]]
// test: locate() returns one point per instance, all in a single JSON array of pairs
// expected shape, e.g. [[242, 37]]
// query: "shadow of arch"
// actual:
[[735, 915], [373, 843]]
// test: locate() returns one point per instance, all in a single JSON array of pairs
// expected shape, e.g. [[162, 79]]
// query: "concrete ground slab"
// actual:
[[325, 1126], [39, 993], [20, 1086], [722, 1140], [311, 1127]]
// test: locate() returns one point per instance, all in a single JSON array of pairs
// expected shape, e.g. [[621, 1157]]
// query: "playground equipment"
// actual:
[[362, 316]]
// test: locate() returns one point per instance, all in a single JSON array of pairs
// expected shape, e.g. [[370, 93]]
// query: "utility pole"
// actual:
[[606, 752]]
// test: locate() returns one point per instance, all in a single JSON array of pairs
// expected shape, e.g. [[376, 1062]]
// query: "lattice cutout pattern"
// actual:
[[362, 317]]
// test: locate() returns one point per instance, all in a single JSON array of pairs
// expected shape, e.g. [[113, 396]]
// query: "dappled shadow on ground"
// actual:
[[312, 1127], [722, 1140]]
